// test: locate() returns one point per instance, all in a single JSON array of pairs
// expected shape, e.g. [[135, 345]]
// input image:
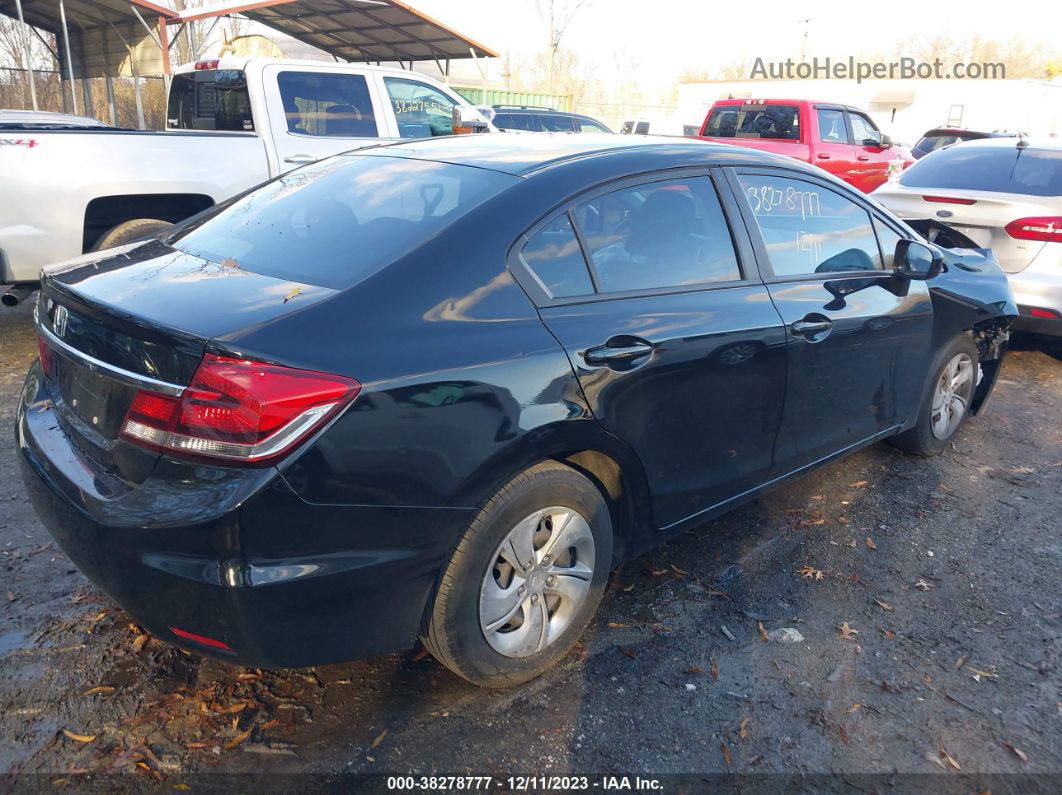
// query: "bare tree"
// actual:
[[558, 15]]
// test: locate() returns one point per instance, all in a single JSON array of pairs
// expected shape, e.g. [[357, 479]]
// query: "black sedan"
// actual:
[[442, 388]]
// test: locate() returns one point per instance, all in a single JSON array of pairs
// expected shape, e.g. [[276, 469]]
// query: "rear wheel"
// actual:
[[947, 402], [525, 579], [130, 232]]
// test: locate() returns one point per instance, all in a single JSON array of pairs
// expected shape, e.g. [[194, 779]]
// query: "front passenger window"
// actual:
[[810, 229]]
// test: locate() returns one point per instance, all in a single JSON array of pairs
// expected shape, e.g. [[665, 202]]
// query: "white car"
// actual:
[[1004, 194], [231, 124]]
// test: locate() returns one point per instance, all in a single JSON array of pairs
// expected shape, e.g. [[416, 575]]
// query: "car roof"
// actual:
[[999, 142], [521, 155]]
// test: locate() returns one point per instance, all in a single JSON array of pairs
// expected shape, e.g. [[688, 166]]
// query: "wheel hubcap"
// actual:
[[952, 395], [538, 580]]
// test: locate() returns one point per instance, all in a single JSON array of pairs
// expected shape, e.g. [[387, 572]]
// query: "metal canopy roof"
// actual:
[[354, 30], [102, 33]]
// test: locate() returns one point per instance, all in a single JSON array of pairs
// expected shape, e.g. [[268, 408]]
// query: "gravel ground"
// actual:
[[924, 598]]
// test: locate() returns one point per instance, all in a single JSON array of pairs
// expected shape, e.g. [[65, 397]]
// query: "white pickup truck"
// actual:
[[231, 124]]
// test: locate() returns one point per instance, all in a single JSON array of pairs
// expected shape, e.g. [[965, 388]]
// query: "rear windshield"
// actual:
[[778, 122], [210, 99], [333, 223], [1001, 169]]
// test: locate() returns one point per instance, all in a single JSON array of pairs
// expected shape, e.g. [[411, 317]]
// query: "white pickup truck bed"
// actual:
[[233, 123]]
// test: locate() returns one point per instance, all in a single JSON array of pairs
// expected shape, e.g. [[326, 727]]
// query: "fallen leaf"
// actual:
[[239, 706], [846, 631], [888, 633], [726, 755], [99, 689], [763, 632], [1024, 757], [628, 652], [239, 738], [140, 641], [960, 661], [949, 759], [196, 746], [229, 262], [629, 588], [922, 585], [714, 670], [379, 739], [81, 738], [870, 543], [615, 625], [853, 708], [858, 484], [657, 572], [694, 670], [248, 677], [883, 604], [294, 292], [678, 571], [811, 573], [270, 724], [978, 672], [743, 728]]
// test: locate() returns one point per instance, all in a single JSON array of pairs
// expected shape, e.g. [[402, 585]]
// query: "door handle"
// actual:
[[862, 157], [811, 328], [606, 355], [300, 160], [822, 156]]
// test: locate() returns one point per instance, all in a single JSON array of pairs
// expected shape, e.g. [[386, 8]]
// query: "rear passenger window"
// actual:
[[554, 256], [514, 121], [831, 126], [331, 105], [556, 123], [662, 234], [810, 229]]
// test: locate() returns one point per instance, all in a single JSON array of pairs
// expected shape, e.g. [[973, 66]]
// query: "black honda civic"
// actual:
[[440, 389]]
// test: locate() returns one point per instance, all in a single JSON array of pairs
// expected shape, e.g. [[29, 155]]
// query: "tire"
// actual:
[[130, 232], [931, 435], [480, 585]]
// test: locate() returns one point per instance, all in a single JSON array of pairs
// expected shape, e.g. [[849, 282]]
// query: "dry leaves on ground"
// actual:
[[811, 573], [846, 631]]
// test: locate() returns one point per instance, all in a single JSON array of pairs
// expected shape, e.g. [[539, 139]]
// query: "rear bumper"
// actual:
[[277, 581], [1039, 287]]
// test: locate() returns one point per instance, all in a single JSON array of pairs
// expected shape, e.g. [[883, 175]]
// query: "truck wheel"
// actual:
[[130, 232], [947, 400], [525, 579]]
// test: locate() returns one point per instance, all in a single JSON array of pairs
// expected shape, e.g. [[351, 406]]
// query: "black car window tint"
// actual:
[[514, 121], [556, 123], [554, 256], [330, 105], [887, 240], [1000, 169], [810, 229], [662, 234]]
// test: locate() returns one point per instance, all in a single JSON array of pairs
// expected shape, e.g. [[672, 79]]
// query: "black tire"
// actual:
[[452, 630], [921, 440], [130, 232]]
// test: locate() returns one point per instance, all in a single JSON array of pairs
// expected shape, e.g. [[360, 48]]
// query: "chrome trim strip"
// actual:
[[96, 365]]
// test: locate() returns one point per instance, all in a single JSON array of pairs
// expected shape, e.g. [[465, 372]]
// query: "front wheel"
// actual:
[[947, 402], [525, 579]]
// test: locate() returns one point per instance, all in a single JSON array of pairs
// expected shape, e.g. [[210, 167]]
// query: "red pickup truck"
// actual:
[[840, 139]]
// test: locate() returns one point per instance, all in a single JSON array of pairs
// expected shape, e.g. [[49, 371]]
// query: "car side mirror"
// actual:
[[917, 261], [886, 141]]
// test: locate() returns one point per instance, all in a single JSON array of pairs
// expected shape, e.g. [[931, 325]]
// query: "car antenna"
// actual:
[[1022, 143]]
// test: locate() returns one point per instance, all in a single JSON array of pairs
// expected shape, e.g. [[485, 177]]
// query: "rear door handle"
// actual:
[[811, 328], [863, 157], [822, 156], [300, 160], [621, 354]]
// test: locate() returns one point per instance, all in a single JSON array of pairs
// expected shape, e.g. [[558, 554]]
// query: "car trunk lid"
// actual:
[[979, 215], [139, 318]]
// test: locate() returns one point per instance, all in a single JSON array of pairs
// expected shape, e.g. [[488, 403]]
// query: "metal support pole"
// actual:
[[69, 60], [26, 49], [110, 101], [86, 94]]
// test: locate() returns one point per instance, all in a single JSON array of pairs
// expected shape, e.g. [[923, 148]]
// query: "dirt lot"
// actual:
[[927, 595]]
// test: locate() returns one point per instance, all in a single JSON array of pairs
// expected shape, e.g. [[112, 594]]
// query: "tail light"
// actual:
[[46, 356], [201, 66], [238, 410], [948, 200], [1044, 314], [1043, 228]]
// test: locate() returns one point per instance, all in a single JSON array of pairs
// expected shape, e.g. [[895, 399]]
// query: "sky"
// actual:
[[667, 36]]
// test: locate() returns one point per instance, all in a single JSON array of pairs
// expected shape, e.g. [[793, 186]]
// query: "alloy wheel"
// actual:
[[951, 398]]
